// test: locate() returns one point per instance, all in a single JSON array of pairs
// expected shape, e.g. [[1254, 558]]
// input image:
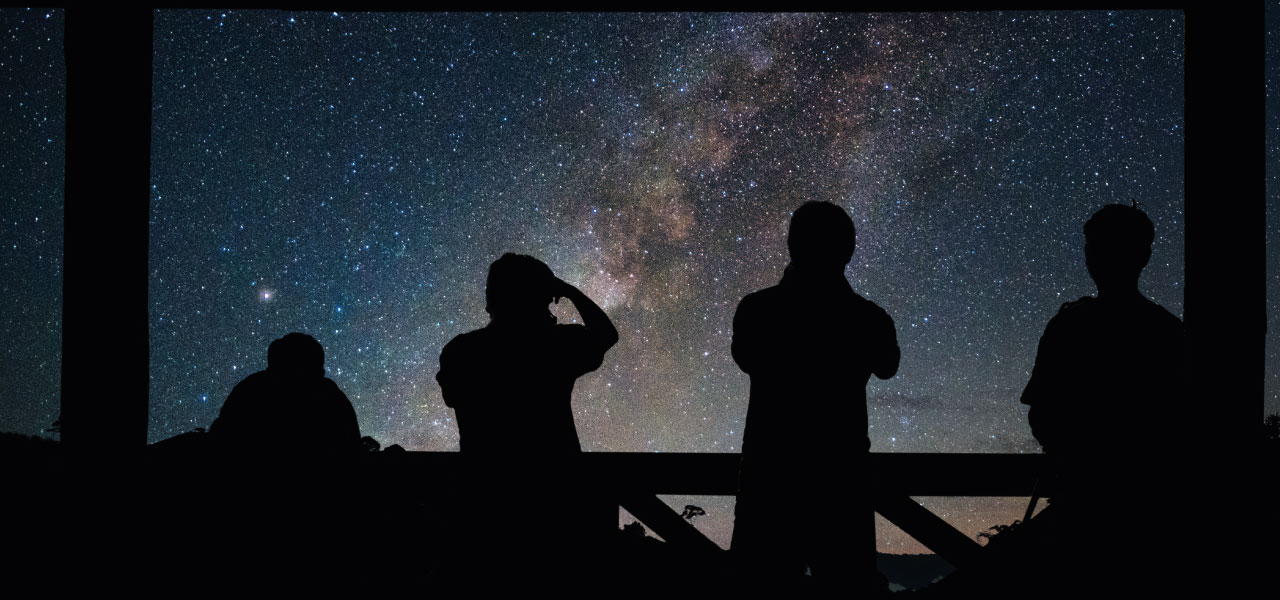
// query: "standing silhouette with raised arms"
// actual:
[[1107, 405], [810, 344], [510, 385]]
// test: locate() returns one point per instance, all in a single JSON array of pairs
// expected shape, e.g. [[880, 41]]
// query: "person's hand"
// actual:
[[560, 289]]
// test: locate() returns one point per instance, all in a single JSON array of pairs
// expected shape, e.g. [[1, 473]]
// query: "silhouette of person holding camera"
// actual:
[[810, 344], [1107, 406], [510, 385]]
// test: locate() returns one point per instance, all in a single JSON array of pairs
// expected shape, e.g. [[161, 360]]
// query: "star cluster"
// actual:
[[353, 175]]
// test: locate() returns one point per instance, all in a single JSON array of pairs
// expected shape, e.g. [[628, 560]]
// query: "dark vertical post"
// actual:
[[104, 340], [104, 374], [1225, 311]]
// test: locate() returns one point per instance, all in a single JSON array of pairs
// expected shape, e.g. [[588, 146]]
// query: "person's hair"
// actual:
[[296, 353], [1118, 242], [517, 283], [821, 233]]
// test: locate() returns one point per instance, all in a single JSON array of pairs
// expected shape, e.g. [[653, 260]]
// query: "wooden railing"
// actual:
[[638, 479]]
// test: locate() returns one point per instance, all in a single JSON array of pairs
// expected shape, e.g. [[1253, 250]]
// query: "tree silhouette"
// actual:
[[1271, 427], [691, 511], [633, 530], [996, 530]]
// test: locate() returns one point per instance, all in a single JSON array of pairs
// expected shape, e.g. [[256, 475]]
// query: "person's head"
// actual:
[[296, 354], [518, 288], [1117, 245], [821, 235]]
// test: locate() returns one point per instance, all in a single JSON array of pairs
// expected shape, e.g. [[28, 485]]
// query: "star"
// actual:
[[966, 161]]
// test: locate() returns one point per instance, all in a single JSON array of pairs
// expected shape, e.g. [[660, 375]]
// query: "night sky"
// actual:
[[33, 106], [352, 176], [1272, 44]]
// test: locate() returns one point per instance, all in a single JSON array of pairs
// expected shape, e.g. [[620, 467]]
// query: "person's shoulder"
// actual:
[[330, 389], [870, 308], [464, 341], [767, 296], [471, 336], [249, 391], [254, 379], [758, 305], [1071, 318], [1081, 303], [1073, 309]]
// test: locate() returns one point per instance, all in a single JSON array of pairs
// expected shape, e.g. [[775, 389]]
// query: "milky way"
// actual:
[[352, 176]]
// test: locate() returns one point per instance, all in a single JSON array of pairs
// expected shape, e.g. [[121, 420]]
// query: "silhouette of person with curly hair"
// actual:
[[510, 385], [282, 490], [289, 406]]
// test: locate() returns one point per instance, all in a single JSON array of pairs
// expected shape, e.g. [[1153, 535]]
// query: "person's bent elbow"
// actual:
[[889, 367], [608, 340]]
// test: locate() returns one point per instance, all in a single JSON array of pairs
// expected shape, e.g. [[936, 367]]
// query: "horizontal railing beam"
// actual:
[[716, 474]]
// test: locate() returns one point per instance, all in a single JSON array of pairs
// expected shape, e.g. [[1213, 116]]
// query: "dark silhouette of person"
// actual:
[[291, 406], [810, 344], [1107, 406], [510, 385], [282, 493]]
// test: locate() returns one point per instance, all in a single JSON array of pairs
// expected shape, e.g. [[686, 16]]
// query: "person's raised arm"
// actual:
[[593, 317]]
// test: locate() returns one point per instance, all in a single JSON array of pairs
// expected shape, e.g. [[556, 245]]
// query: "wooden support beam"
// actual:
[[914, 474], [665, 522], [929, 529], [900, 476]]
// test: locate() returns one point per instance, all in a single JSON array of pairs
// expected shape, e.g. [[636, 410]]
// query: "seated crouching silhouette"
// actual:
[[290, 407], [510, 385], [285, 435]]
